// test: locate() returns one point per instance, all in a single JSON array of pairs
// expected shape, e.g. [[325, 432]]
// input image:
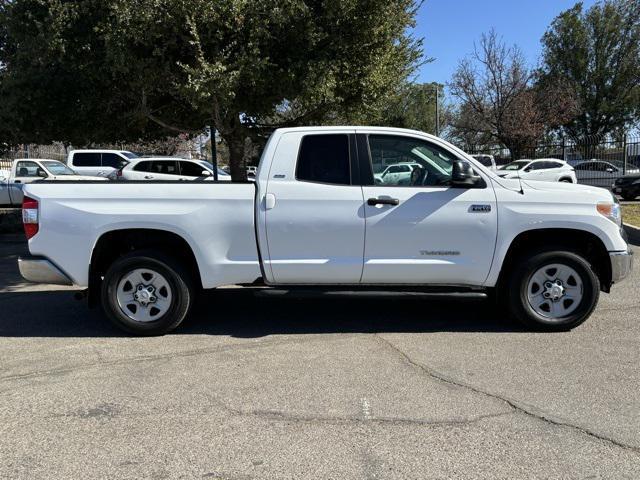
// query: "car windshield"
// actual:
[[518, 165], [130, 155], [58, 168]]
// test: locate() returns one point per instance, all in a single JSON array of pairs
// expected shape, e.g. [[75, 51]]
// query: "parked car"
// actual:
[[315, 217], [397, 174], [98, 163], [543, 169], [627, 186], [30, 170], [486, 160], [600, 173], [167, 168]]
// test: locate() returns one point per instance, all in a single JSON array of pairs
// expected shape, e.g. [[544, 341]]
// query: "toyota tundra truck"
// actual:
[[322, 215]]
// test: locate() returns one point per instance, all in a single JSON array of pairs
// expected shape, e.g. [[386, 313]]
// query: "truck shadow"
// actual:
[[244, 313]]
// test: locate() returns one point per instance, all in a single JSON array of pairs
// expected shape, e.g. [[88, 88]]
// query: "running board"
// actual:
[[361, 292]]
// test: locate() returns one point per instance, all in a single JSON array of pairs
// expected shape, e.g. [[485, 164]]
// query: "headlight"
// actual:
[[611, 210]]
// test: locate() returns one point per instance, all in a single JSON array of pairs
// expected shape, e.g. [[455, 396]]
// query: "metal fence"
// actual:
[[597, 161]]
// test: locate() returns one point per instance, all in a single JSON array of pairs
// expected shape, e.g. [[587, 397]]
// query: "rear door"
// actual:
[[163, 170], [313, 208], [425, 232]]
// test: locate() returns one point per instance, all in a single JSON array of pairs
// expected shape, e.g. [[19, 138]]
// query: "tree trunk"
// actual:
[[237, 165]]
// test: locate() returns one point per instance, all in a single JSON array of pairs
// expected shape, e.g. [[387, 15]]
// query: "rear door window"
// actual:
[[324, 159], [86, 159], [166, 167]]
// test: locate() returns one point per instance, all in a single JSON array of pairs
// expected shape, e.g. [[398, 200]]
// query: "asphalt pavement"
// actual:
[[261, 386]]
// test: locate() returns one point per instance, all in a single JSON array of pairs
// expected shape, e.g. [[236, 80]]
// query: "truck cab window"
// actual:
[[405, 161], [324, 159], [27, 169]]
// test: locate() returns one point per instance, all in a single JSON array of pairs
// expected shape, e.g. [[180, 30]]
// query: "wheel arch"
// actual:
[[115, 243], [581, 242]]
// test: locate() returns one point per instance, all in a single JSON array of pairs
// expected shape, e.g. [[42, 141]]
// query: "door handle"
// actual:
[[383, 201], [17, 181], [148, 177]]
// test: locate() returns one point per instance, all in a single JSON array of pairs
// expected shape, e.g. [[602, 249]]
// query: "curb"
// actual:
[[633, 232]]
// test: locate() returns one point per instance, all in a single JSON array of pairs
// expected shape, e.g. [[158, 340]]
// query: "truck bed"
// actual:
[[217, 220]]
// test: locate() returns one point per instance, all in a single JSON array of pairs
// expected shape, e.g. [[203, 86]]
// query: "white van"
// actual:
[[98, 163]]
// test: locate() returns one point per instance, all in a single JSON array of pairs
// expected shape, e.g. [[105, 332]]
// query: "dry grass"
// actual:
[[631, 214]]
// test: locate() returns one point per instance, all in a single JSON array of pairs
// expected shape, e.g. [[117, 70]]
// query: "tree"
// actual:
[[177, 65], [500, 99], [597, 53], [413, 106]]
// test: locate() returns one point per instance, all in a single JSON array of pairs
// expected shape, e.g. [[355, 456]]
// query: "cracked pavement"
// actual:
[[326, 386]]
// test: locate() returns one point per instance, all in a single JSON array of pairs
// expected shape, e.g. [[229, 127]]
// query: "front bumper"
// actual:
[[41, 270], [621, 265]]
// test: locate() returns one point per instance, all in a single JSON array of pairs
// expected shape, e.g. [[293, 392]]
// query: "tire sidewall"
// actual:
[[180, 292], [522, 275]]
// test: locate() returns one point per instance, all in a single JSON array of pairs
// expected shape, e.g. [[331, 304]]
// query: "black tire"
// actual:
[[178, 279], [518, 281], [629, 196]]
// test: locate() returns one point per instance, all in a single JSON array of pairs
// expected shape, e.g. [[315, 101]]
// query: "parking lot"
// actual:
[[273, 386]]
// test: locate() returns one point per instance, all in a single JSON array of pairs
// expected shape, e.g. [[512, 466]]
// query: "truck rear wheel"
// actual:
[[146, 293], [552, 290]]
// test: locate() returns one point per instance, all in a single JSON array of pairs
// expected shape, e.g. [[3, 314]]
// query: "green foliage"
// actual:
[[597, 53], [414, 106], [119, 69]]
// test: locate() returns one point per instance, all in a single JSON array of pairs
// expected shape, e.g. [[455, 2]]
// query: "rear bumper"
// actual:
[[621, 265], [41, 270]]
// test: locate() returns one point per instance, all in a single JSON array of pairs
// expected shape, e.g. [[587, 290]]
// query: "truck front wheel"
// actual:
[[146, 293], [552, 290]]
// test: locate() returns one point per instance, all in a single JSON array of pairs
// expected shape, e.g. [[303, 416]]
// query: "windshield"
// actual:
[[519, 165], [58, 168], [129, 155]]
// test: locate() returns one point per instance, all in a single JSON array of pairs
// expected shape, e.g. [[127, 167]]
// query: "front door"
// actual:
[[313, 210], [425, 232]]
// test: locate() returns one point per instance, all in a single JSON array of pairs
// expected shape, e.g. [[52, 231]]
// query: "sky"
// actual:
[[450, 27]]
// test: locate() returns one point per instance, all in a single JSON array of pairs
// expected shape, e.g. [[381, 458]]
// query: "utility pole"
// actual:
[[437, 111], [214, 153]]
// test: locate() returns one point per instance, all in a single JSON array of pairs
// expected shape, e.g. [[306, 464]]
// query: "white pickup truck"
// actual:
[[29, 170], [315, 218]]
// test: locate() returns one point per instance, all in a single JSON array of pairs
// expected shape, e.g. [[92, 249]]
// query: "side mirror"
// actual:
[[462, 174], [609, 170], [42, 173], [206, 173], [528, 169]]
